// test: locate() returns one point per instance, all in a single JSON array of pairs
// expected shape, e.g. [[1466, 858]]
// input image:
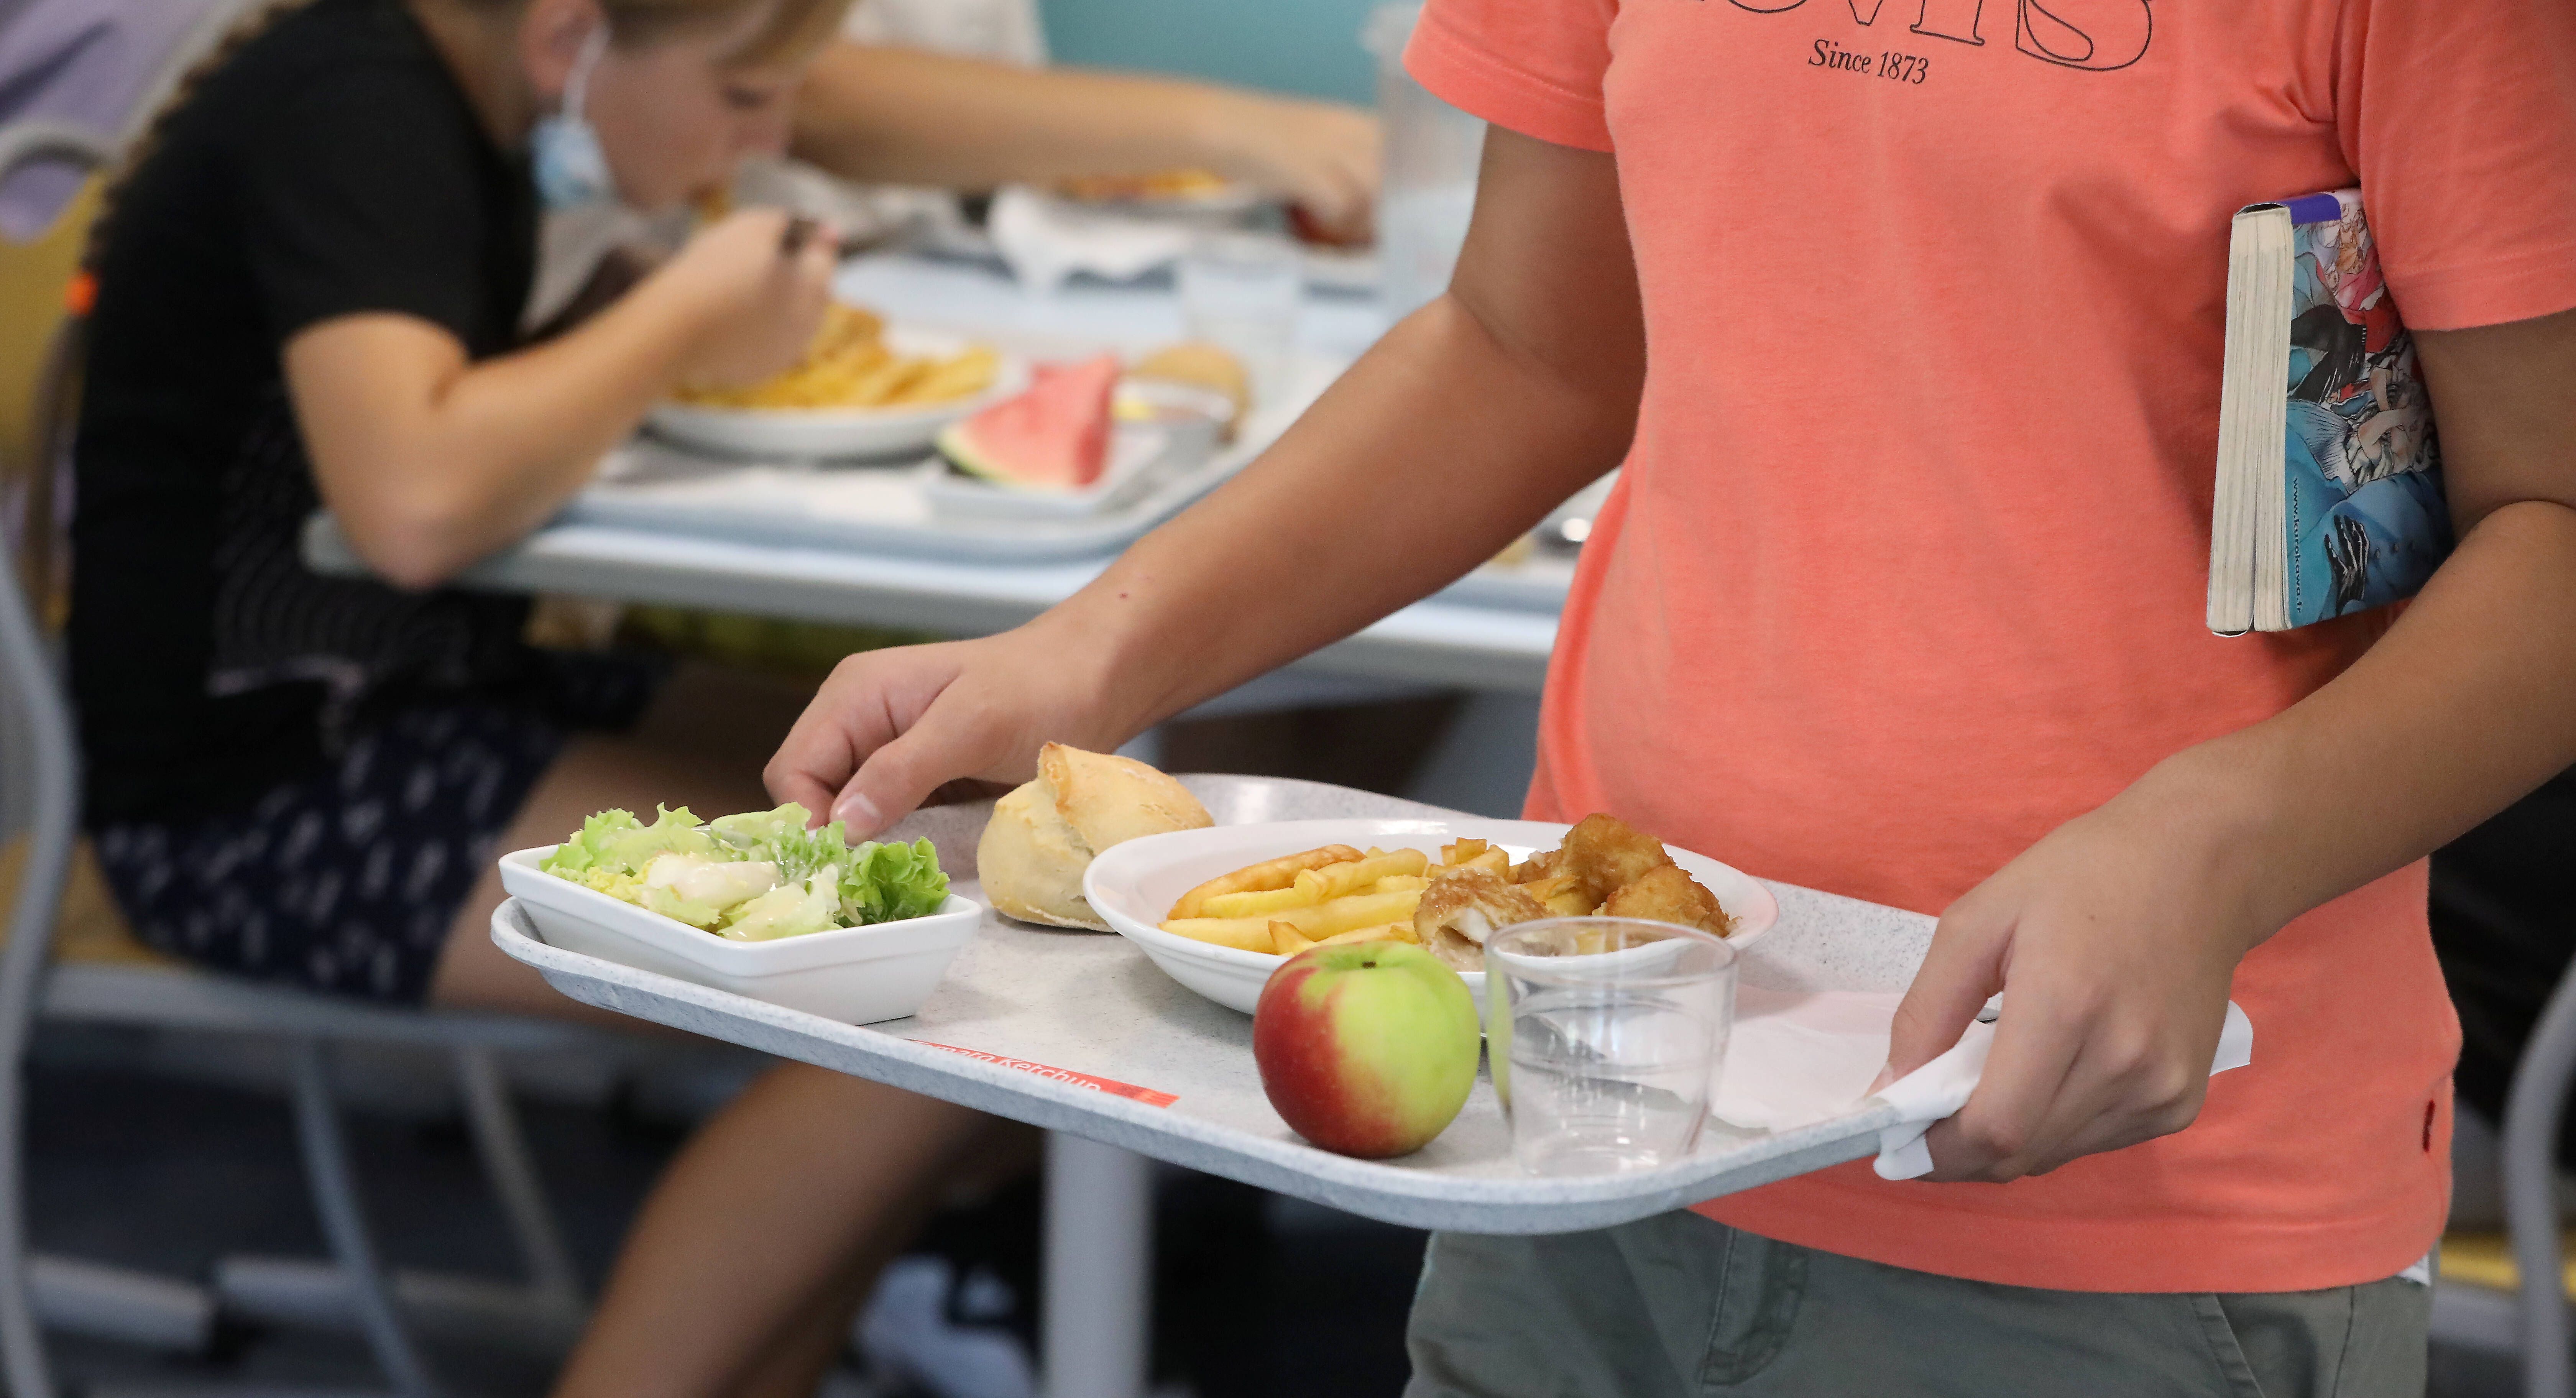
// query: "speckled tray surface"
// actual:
[[1082, 1003]]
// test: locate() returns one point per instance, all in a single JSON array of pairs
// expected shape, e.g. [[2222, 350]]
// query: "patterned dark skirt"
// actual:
[[347, 880]]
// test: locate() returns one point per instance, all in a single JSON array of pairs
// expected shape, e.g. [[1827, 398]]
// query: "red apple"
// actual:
[[1367, 1048]]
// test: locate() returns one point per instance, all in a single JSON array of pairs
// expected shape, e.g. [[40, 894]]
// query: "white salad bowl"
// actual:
[[856, 975], [1133, 886]]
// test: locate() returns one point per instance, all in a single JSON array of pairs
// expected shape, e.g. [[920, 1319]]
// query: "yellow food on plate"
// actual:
[[1153, 186], [1199, 364], [1384, 932], [1335, 880], [1338, 894], [1270, 874], [1315, 921], [849, 365], [1042, 836]]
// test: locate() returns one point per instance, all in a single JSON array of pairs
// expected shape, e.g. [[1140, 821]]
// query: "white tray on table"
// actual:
[[891, 507], [1031, 1022]]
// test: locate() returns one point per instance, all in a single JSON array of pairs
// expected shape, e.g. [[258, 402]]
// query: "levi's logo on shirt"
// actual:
[[2092, 35]]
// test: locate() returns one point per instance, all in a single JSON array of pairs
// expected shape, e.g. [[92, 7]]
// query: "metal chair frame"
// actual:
[[2534, 1107]]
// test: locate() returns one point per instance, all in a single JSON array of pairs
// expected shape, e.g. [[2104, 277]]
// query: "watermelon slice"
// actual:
[[1053, 437]]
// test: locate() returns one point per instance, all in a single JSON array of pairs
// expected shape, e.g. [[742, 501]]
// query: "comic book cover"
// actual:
[[2364, 511]]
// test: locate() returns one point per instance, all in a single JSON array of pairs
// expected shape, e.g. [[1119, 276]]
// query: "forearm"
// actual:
[[1430, 455], [902, 116], [2467, 703], [498, 446]]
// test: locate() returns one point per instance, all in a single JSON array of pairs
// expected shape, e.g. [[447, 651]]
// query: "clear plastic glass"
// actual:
[[1427, 175], [1241, 291], [1605, 1034]]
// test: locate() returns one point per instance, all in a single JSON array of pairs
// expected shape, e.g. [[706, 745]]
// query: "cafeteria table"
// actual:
[[1098, 1244]]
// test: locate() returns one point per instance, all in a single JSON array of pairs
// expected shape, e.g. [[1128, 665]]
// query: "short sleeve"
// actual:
[[2459, 116], [362, 194], [1531, 66]]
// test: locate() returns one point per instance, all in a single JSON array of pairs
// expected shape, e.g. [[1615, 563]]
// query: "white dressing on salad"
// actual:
[[696, 878], [789, 910]]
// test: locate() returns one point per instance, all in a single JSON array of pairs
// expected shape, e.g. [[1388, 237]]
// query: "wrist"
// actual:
[[675, 309], [1096, 648], [2227, 805], [1221, 129]]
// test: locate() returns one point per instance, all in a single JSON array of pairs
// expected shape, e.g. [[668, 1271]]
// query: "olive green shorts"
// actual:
[[1677, 1305]]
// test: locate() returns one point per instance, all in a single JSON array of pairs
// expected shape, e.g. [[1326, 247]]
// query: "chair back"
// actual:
[[39, 385]]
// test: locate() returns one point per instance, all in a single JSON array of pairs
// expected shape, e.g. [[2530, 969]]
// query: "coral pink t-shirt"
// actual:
[[1907, 565]]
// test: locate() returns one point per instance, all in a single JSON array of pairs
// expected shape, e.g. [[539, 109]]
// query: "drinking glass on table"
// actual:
[[1241, 291], [1605, 1034]]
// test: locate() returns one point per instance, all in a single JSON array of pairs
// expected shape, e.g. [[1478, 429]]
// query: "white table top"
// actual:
[[1038, 1009], [1444, 640]]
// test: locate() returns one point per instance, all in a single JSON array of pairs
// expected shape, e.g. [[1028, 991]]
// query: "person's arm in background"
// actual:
[[430, 462], [1458, 431], [2116, 935], [888, 115]]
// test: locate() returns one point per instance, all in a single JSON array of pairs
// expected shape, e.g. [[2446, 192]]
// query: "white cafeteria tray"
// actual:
[[649, 484], [1078, 1032]]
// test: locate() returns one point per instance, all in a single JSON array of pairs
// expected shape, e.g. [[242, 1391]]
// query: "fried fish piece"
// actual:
[[1462, 907], [1669, 894], [1607, 854]]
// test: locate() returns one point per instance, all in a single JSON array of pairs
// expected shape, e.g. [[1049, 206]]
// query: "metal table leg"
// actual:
[[1099, 1269]]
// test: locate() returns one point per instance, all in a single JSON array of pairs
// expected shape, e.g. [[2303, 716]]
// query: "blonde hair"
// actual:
[[795, 28]]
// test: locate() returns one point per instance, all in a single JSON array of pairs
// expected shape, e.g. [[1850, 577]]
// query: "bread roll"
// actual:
[[1201, 365], [1043, 835]]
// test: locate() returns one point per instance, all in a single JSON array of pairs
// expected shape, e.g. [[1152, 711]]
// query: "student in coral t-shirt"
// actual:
[[1905, 319]]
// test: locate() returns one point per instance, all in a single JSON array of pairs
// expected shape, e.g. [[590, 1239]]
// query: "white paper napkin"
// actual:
[[1046, 239], [1799, 1057]]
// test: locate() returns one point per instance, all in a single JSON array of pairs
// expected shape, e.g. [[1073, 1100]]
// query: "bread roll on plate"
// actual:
[[1043, 835]]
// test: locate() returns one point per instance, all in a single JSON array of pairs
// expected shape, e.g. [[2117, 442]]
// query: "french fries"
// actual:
[[1331, 895], [1391, 932], [1335, 880], [1241, 933], [847, 365], [1255, 902], [1316, 921], [1268, 875], [1561, 893]]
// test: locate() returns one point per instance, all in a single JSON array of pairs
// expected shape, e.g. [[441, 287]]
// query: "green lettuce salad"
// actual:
[[753, 877]]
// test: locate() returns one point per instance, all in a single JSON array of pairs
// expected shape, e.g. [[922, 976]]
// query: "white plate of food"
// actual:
[[865, 389], [1139, 886], [1186, 194]]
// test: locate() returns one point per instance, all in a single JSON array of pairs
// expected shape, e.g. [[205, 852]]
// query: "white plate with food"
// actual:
[[1230, 887], [864, 389], [1186, 194], [772, 911]]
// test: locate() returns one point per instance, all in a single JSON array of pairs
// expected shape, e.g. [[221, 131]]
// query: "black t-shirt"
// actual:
[[331, 167]]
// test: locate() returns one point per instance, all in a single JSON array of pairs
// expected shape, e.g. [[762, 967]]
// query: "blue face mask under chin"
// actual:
[[564, 150]]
